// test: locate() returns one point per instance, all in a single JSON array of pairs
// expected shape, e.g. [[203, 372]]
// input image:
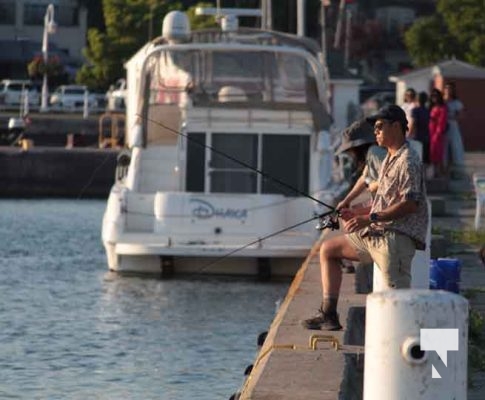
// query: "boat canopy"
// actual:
[[209, 77]]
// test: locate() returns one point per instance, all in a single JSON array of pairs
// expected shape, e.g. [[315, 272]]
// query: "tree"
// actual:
[[128, 24], [201, 21], [429, 41], [457, 29]]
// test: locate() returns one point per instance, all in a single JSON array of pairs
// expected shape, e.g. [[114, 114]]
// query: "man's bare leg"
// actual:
[[331, 254]]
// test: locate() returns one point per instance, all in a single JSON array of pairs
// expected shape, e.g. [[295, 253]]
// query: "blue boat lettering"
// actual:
[[204, 210]]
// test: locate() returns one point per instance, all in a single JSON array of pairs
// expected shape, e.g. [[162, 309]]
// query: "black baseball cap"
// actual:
[[390, 112]]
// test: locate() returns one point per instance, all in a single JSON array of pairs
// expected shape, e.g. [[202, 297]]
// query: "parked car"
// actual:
[[116, 96], [71, 98], [11, 92], [376, 101]]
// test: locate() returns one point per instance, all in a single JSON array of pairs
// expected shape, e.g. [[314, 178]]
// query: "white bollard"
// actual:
[[400, 324]]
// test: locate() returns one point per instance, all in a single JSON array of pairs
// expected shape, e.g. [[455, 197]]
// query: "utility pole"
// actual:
[[338, 31], [300, 15], [348, 33], [267, 12], [323, 54]]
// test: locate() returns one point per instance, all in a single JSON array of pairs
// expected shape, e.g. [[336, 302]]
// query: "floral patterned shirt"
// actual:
[[401, 178]]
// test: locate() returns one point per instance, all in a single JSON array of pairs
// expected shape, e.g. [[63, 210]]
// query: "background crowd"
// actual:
[[433, 121]]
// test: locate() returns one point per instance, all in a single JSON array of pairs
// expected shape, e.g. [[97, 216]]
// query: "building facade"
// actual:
[[22, 28]]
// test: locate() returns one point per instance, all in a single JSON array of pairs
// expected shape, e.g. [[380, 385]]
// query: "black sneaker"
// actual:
[[323, 321]]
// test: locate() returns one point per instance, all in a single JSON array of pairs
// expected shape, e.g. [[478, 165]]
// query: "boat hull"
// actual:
[[131, 259]]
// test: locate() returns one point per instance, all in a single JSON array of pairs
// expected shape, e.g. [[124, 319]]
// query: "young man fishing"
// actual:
[[389, 232]]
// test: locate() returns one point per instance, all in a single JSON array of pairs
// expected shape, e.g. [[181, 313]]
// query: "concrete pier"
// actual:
[[292, 365], [295, 362]]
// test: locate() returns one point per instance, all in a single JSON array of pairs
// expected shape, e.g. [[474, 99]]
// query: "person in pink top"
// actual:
[[438, 120]]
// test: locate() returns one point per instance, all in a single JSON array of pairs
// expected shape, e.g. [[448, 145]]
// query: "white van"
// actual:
[[11, 92]]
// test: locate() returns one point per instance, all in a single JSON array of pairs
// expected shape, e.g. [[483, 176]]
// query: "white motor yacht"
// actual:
[[228, 144]]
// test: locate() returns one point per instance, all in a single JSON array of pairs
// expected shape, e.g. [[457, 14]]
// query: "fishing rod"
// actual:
[[246, 165]]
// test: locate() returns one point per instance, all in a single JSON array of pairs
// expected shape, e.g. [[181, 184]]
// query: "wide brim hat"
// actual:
[[357, 134]]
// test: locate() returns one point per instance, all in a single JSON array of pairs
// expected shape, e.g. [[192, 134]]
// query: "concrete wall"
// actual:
[[55, 172]]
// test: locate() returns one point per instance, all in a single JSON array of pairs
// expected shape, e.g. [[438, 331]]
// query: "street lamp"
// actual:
[[49, 28]]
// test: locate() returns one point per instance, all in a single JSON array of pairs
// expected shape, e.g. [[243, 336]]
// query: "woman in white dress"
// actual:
[[455, 150]]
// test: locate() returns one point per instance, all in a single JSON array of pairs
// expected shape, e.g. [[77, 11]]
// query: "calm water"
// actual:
[[71, 330]]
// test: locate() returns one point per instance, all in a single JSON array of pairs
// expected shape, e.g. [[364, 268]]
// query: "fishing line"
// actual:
[[93, 176], [262, 173], [221, 153], [259, 240]]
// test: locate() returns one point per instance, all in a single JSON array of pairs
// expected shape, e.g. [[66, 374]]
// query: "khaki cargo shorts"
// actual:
[[392, 252]]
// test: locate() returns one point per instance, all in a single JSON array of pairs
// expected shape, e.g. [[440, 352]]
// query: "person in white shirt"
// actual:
[[410, 103]]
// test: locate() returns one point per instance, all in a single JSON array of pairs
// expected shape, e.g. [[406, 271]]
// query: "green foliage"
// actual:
[[458, 29], [129, 24], [427, 39], [201, 21], [476, 342], [463, 236]]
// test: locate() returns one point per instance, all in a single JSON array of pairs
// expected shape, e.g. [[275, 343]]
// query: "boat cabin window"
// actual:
[[227, 176], [284, 157], [195, 162]]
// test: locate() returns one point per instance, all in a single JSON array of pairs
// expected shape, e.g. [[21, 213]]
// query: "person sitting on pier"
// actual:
[[360, 142], [389, 232]]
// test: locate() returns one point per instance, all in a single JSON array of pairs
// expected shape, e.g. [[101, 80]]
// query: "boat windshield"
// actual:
[[217, 77]]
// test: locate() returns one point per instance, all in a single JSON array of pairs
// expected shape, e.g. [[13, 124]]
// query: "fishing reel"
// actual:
[[329, 221]]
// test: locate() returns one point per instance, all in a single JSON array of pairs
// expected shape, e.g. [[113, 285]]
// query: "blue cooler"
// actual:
[[444, 274]]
